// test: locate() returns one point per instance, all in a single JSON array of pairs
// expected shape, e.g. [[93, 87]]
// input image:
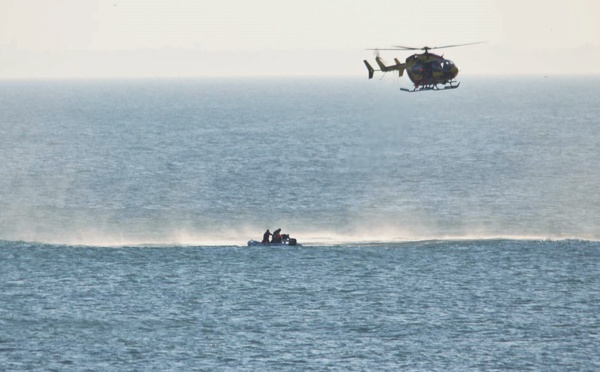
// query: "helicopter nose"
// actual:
[[454, 71]]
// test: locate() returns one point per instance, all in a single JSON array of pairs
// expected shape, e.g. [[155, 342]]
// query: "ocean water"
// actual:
[[451, 230]]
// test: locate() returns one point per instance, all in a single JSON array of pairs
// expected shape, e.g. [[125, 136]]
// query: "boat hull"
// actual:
[[290, 242]]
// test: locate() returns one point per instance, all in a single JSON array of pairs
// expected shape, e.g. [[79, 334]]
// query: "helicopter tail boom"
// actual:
[[397, 67], [400, 67], [381, 65]]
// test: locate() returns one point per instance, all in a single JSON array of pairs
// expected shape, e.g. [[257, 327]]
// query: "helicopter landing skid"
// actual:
[[430, 87]]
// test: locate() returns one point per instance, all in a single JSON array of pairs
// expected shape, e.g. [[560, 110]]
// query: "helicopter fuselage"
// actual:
[[430, 69], [427, 71]]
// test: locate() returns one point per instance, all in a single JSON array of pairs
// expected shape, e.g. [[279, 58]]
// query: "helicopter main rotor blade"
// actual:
[[387, 49], [439, 47], [425, 48], [400, 47], [457, 45]]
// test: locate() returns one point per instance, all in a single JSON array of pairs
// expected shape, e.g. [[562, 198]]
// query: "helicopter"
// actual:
[[426, 70]]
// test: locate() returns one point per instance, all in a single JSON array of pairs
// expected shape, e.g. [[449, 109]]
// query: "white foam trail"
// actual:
[[239, 237]]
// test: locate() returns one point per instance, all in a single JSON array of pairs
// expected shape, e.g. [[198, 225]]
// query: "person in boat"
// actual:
[[266, 237], [276, 236]]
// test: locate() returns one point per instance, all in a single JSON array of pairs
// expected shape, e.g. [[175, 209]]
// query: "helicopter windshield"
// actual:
[[447, 65]]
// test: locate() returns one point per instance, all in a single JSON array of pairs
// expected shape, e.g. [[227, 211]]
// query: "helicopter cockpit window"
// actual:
[[436, 66], [447, 65]]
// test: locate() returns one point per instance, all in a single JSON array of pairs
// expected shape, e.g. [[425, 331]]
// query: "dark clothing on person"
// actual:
[[276, 236], [266, 237]]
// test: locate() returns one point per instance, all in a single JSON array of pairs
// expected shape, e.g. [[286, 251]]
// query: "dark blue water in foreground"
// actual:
[[442, 231], [463, 305]]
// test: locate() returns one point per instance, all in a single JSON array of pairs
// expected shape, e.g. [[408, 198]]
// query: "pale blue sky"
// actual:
[[85, 38]]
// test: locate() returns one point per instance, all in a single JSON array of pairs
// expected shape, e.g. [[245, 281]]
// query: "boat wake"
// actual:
[[241, 239]]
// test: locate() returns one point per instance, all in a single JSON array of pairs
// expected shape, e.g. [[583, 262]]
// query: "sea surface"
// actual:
[[440, 231]]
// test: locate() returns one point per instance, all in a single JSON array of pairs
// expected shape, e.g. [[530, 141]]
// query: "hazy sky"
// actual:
[[52, 38]]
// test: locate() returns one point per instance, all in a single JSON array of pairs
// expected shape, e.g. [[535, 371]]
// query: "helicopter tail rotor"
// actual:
[[380, 63]]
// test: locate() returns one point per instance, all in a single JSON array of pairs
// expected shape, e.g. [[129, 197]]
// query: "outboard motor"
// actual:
[[292, 241]]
